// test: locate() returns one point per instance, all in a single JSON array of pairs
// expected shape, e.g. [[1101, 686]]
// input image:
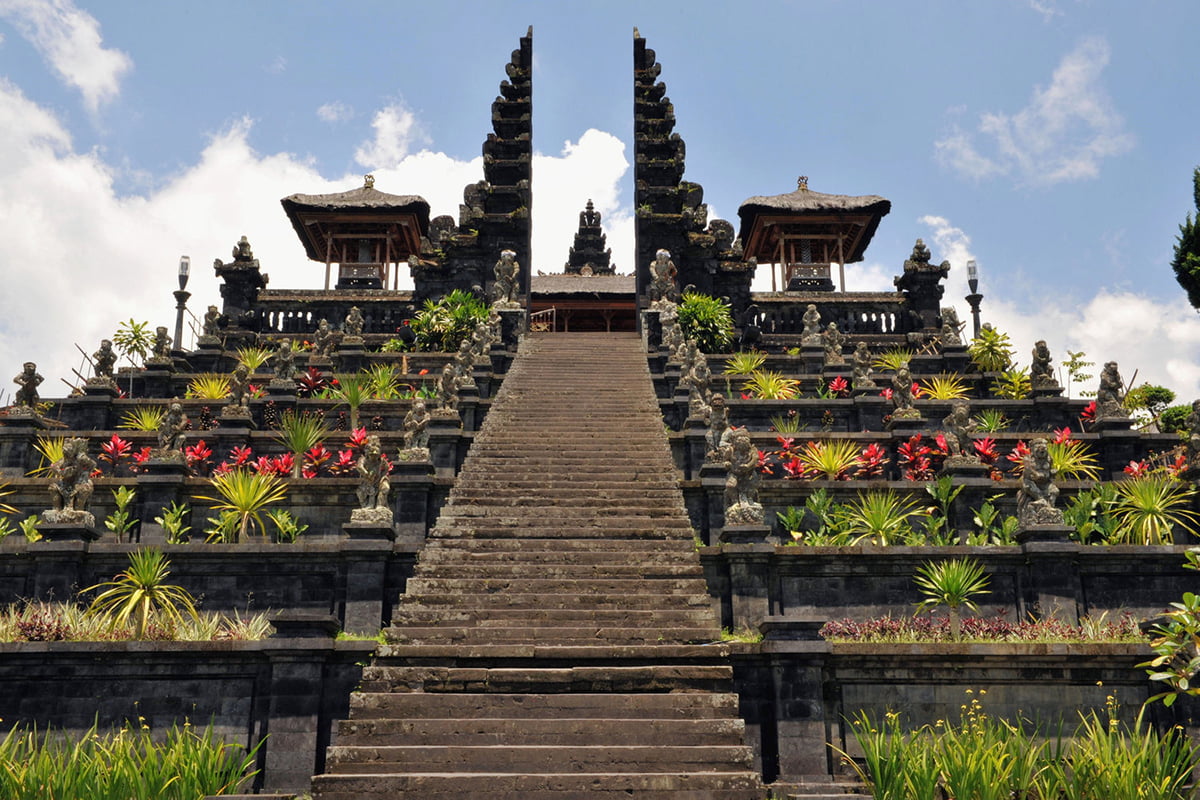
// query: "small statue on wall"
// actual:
[[447, 389], [239, 393], [212, 322], [861, 379], [663, 287], [71, 485], [416, 435], [741, 484], [323, 340], [1041, 373], [353, 326], [832, 340], [285, 362], [902, 394], [1110, 399], [718, 425], [27, 380], [1038, 494], [464, 365], [172, 434], [951, 335], [104, 361], [506, 272], [958, 429], [811, 337], [374, 486]]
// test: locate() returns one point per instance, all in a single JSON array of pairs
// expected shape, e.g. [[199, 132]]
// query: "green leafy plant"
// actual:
[[991, 528], [1075, 364], [880, 517], [1176, 644], [300, 432], [943, 492], [1012, 384], [121, 521], [1074, 460], [382, 381], [1088, 513], [350, 390], [142, 591], [6, 490], [143, 418], [893, 359], [831, 459], [443, 324], [287, 527], [29, 527], [243, 496], [254, 357], [991, 351], [787, 424], [173, 523], [50, 448], [991, 420], [1148, 401], [707, 320], [1147, 509], [223, 528], [208, 386], [1174, 419], [944, 387], [133, 340], [768, 385], [954, 583]]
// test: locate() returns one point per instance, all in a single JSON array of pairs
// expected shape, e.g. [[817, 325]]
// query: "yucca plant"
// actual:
[[1012, 384], [142, 591], [954, 583], [991, 351], [831, 459], [301, 432], [893, 359], [1074, 460], [1148, 509], [5, 490], [254, 357], [352, 391], [143, 418], [944, 387], [245, 495], [880, 517], [991, 420], [208, 386], [769, 385], [787, 424], [382, 381], [744, 363], [707, 320], [50, 448]]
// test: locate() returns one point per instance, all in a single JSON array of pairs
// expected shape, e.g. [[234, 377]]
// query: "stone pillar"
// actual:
[[468, 408], [92, 411], [351, 354], [412, 481], [652, 330], [749, 582], [813, 357], [16, 443], [695, 446], [366, 555], [976, 486], [159, 484], [512, 326], [1054, 587], [955, 359], [57, 567], [712, 485], [444, 433], [797, 658]]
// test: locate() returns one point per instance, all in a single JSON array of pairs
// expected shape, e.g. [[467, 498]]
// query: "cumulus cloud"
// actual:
[[396, 130], [69, 40], [1047, 8], [1068, 128], [334, 112]]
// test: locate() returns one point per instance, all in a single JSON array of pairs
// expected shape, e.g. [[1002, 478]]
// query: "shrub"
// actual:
[[443, 324], [707, 320]]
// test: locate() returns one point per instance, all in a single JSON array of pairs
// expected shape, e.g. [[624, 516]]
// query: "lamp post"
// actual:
[[974, 297], [181, 298]]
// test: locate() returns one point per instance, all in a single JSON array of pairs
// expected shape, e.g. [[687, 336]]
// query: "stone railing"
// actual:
[[299, 311], [854, 312]]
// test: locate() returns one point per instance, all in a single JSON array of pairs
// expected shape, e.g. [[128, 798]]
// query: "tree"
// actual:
[[1186, 262]]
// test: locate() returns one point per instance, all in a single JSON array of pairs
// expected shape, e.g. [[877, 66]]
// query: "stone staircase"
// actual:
[[556, 639]]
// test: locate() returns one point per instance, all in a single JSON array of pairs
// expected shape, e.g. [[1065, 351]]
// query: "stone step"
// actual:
[[648, 548], [522, 758], [730, 785], [528, 600], [458, 557], [688, 706], [698, 617], [654, 678], [475, 731], [545, 635], [612, 529], [580, 587], [510, 571], [564, 506]]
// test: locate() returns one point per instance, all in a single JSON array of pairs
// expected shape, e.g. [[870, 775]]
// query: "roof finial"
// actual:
[[368, 181], [802, 183]]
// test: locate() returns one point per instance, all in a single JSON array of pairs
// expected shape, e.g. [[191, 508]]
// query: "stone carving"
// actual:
[[1038, 495], [416, 437], [212, 322], [696, 375], [902, 394], [285, 363], [1041, 374], [861, 379], [741, 484], [672, 333], [242, 251], [958, 427], [1192, 471], [718, 426], [172, 435], [71, 485], [323, 340], [504, 290], [103, 362], [353, 326], [951, 328], [1110, 399], [161, 349], [811, 337], [663, 286], [464, 364], [447, 389], [373, 485], [832, 340], [239, 393], [28, 380], [481, 342]]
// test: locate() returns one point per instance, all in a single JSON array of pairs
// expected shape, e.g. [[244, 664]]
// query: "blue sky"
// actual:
[[1051, 140]]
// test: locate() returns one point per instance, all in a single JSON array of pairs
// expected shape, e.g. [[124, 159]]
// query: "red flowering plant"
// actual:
[[140, 457], [1137, 469], [871, 461], [1088, 415], [311, 383], [114, 451], [198, 456], [919, 461], [314, 459], [1016, 457]]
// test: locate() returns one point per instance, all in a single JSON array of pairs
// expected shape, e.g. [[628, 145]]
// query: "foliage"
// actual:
[[121, 521], [1075, 365], [744, 635], [952, 583], [880, 517], [1176, 644], [990, 528], [991, 351], [209, 386], [443, 324], [40, 621], [1148, 509], [707, 320], [943, 492], [254, 357], [134, 340], [744, 363], [991, 420], [5, 491], [922, 629], [893, 359], [287, 527], [1186, 259], [173, 524], [944, 387], [300, 432], [1173, 419], [143, 418], [382, 382], [1148, 402], [1012, 384], [769, 385], [1088, 513], [142, 591], [352, 391], [789, 423], [50, 448], [243, 496], [1072, 459], [831, 459]]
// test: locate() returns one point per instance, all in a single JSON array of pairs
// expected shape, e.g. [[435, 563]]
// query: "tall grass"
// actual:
[[128, 763]]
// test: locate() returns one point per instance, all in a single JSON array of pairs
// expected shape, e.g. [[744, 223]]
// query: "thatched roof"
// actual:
[[366, 206], [804, 204], [582, 284]]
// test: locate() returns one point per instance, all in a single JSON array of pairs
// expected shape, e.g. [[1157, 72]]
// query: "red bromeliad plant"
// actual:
[[1137, 469], [197, 456], [114, 450], [1088, 415], [871, 461], [919, 461]]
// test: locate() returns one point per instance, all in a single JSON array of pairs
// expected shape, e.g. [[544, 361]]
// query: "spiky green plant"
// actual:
[[5, 490], [944, 387], [831, 459], [1012, 384], [991, 351], [382, 380], [143, 418], [769, 385], [1149, 508], [707, 320], [208, 386], [1074, 460], [893, 359], [953, 583], [254, 357], [121, 521], [246, 494], [352, 391], [142, 591], [744, 363], [880, 517], [991, 420], [787, 424], [287, 527], [50, 448], [300, 432]]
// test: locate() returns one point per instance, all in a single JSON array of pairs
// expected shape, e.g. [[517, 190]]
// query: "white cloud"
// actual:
[[1063, 134], [1047, 8], [335, 112], [396, 130], [278, 65], [69, 39]]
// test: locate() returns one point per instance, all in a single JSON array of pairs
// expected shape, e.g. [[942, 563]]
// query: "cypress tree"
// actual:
[[1186, 262]]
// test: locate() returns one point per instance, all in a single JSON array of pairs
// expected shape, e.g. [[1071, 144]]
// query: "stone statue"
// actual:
[[416, 437], [741, 484], [353, 326], [696, 375], [663, 288], [481, 342], [1041, 374], [28, 380], [239, 388], [1192, 470], [958, 427], [323, 339], [951, 328], [1110, 399], [373, 484], [506, 272], [861, 379], [902, 394], [1038, 494], [673, 339], [103, 361], [285, 362], [811, 337], [212, 322], [71, 485], [161, 349], [718, 425], [832, 340], [172, 434], [464, 364], [448, 391]]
